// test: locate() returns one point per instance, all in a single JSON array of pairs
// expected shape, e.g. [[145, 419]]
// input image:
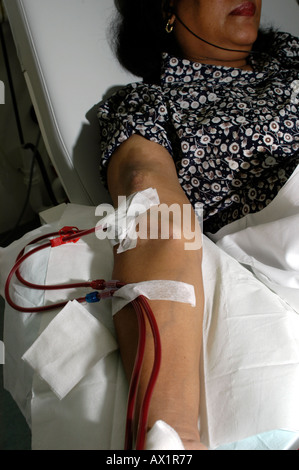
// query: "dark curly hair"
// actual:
[[139, 37]]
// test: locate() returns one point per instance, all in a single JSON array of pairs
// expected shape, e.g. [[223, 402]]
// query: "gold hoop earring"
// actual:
[[169, 27]]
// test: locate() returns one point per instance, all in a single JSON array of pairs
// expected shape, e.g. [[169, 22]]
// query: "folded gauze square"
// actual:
[[69, 347]]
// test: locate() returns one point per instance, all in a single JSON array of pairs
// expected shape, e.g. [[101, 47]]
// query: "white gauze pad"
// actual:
[[69, 347]]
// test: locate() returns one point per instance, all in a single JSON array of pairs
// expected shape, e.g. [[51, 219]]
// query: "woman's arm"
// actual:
[[137, 165]]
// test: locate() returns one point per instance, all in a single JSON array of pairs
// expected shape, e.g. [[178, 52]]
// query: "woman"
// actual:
[[213, 122]]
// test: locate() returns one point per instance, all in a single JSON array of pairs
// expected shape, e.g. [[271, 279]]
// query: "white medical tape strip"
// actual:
[[122, 222], [69, 347], [154, 290]]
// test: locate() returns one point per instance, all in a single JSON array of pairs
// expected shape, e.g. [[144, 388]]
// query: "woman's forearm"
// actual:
[[176, 396]]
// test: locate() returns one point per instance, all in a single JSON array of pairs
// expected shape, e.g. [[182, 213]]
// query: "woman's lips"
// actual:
[[246, 9]]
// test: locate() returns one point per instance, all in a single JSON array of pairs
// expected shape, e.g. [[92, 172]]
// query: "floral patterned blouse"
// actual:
[[233, 134]]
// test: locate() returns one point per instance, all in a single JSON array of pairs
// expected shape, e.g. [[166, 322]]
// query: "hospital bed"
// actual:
[[69, 68]]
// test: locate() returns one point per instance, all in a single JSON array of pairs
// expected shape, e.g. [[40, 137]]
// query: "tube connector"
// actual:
[[92, 298], [64, 233], [98, 284]]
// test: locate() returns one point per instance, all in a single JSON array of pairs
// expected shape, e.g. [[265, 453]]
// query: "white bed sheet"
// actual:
[[250, 360]]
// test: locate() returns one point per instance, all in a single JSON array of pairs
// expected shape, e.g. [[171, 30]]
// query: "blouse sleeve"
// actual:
[[135, 109]]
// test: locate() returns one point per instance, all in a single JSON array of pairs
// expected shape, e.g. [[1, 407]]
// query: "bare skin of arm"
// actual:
[[139, 164]]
